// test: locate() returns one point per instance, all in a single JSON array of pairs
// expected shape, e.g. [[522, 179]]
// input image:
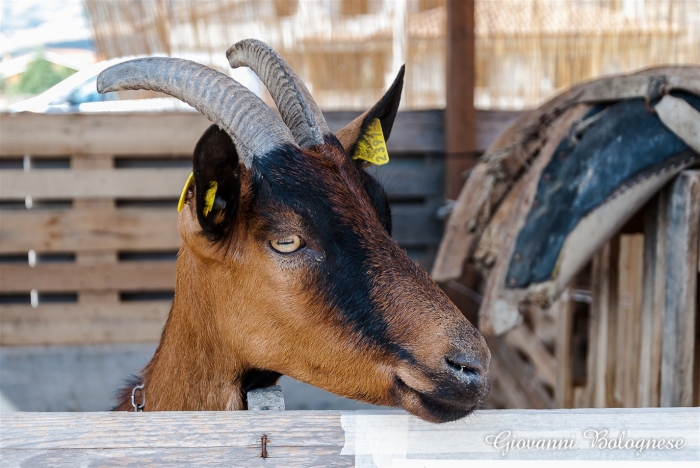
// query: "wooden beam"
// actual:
[[62, 324], [143, 229], [71, 277], [563, 389], [176, 133], [62, 184], [132, 134], [652, 312], [680, 290], [626, 359], [130, 229], [333, 438], [600, 375], [460, 116]]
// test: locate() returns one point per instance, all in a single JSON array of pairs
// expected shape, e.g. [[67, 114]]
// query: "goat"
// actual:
[[287, 264]]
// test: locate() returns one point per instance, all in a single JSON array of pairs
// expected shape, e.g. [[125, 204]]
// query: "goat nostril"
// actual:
[[464, 365]]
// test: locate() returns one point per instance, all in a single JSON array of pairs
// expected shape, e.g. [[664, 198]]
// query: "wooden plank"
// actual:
[[602, 327], [401, 179], [128, 229], [522, 372], [563, 388], [177, 132], [71, 277], [416, 224], [522, 339], [680, 290], [61, 184], [133, 229], [61, 324], [120, 134], [330, 438], [652, 311], [630, 298]]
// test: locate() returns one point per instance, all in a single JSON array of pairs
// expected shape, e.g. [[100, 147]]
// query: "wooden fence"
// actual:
[[88, 235], [344, 439]]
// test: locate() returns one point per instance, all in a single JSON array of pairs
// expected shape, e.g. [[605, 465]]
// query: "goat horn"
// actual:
[[298, 109], [251, 124]]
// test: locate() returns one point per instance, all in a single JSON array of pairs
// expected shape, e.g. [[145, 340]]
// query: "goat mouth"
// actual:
[[431, 407]]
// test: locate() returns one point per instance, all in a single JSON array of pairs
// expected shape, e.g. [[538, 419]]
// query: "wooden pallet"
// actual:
[[102, 225]]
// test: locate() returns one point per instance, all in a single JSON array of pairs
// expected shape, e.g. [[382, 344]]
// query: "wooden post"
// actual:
[[564, 390], [600, 373], [460, 116], [652, 311], [680, 290]]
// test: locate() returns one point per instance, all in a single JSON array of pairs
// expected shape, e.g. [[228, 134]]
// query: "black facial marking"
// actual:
[[344, 278], [378, 197]]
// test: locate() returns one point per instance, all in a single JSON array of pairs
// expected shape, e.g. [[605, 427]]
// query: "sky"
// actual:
[[26, 25]]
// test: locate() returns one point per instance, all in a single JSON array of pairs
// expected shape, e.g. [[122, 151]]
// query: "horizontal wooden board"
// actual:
[[71, 277], [62, 324], [416, 225], [130, 229], [117, 134], [177, 133], [152, 229], [401, 178], [333, 438], [62, 184]]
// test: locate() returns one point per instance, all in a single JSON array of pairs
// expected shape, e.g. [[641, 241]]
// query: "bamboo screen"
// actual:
[[347, 51]]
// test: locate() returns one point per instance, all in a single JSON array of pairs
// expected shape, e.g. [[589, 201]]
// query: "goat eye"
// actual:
[[287, 244]]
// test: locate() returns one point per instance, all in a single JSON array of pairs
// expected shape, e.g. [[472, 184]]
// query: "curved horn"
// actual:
[[251, 124], [298, 109]]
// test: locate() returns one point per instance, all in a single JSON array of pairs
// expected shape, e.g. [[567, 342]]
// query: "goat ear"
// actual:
[[384, 111], [217, 182]]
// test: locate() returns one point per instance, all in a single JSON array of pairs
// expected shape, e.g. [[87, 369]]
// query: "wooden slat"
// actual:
[[125, 134], [602, 327], [329, 438], [70, 277], [523, 374], [129, 229], [133, 229], [522, 339], [61, 324], [177, 133], [563, 390], [78, 184], [401, 179], [416, 225], [630, 297], [652, 311], [680, 290]]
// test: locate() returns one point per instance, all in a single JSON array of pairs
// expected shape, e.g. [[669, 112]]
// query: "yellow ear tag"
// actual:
[[209, 197], [371, 147], [183, 195]]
